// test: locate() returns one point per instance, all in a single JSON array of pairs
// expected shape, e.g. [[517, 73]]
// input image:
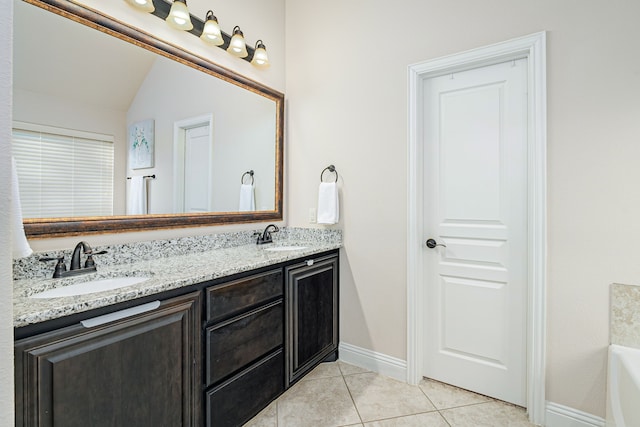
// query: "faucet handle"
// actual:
[[60, 265], [58, 258], [95, 253], [90, 262]]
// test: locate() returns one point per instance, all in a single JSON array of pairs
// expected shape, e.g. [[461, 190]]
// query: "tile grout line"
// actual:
[[350, 395], [397, 417], [468, 404], [453, 408], [434, 405], [444, 418]]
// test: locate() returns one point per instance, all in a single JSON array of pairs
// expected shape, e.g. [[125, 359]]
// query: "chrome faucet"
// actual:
[[265, 236], [75, 267]]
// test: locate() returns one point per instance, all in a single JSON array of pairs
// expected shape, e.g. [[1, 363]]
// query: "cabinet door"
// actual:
[[312, 314], [139, 371]]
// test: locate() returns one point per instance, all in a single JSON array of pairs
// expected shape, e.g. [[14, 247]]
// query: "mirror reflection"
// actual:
[[91, 111]]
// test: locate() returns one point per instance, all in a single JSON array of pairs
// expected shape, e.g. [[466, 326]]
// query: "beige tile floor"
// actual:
[[340, 395]]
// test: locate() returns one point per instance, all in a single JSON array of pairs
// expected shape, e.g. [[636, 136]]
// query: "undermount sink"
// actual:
[[90, 287], [285, 248]]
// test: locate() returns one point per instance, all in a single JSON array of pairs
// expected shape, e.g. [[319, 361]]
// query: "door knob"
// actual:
[[431, 243]]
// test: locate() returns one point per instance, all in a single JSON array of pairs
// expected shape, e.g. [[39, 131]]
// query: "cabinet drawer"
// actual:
[[233, 344], [232, 298], [236, 401]]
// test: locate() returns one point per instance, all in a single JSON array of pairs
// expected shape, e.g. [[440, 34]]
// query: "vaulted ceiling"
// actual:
[[58, 57]]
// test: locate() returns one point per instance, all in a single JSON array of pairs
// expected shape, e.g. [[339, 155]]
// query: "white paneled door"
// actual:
[[197, 167], [475, 183]]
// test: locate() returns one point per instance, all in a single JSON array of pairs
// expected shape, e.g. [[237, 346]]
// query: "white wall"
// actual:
[[347, 91], [244, 134], [6, 301]]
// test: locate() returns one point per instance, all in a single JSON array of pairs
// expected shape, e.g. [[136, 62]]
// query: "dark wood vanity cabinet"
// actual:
[[312, 314], [244, 339], [265, 343], [214, 357], [142, 370]]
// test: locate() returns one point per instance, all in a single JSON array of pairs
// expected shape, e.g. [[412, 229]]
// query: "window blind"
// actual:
[[63, 172]]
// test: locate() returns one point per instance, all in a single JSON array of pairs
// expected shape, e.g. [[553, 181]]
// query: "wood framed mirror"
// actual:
[[166, 192]]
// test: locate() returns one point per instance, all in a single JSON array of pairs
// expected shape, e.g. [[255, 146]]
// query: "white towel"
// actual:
[[19, 241], [247, 198], [328, 209], [137, 196]]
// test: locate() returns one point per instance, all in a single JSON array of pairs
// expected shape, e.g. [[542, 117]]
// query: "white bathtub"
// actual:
[[623, 387]]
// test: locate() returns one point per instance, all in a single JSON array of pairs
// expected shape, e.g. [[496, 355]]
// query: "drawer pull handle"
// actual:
[[122, 314]]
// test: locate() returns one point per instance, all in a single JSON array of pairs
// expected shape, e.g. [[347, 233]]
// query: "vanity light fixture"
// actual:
[[237, 46], [260, 58], [179, 17], [211, 31], [143, 5]]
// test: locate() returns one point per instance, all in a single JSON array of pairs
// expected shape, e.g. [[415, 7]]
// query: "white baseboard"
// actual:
[[563, 416], [373, 361]]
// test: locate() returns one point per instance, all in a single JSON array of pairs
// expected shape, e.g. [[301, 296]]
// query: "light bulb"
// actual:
[[143, 5], [237, 46], [211, 32], [260, 58], [179, 17]]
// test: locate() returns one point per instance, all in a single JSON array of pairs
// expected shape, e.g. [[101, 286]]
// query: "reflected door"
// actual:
[[197, 179], [476, 205]]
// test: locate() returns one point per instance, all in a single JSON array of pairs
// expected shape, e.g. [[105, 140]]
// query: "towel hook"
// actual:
[[329, 168], [250, 173]]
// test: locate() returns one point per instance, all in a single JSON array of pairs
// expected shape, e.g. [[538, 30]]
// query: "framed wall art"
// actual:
[[141, 144]]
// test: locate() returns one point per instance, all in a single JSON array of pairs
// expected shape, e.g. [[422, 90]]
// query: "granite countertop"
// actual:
[[165, 274]]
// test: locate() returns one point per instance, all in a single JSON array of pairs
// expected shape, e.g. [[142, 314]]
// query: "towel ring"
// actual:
[[329, 168], [250, 173]]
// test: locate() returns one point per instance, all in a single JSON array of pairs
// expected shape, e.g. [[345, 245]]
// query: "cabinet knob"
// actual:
[[309, 262]]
